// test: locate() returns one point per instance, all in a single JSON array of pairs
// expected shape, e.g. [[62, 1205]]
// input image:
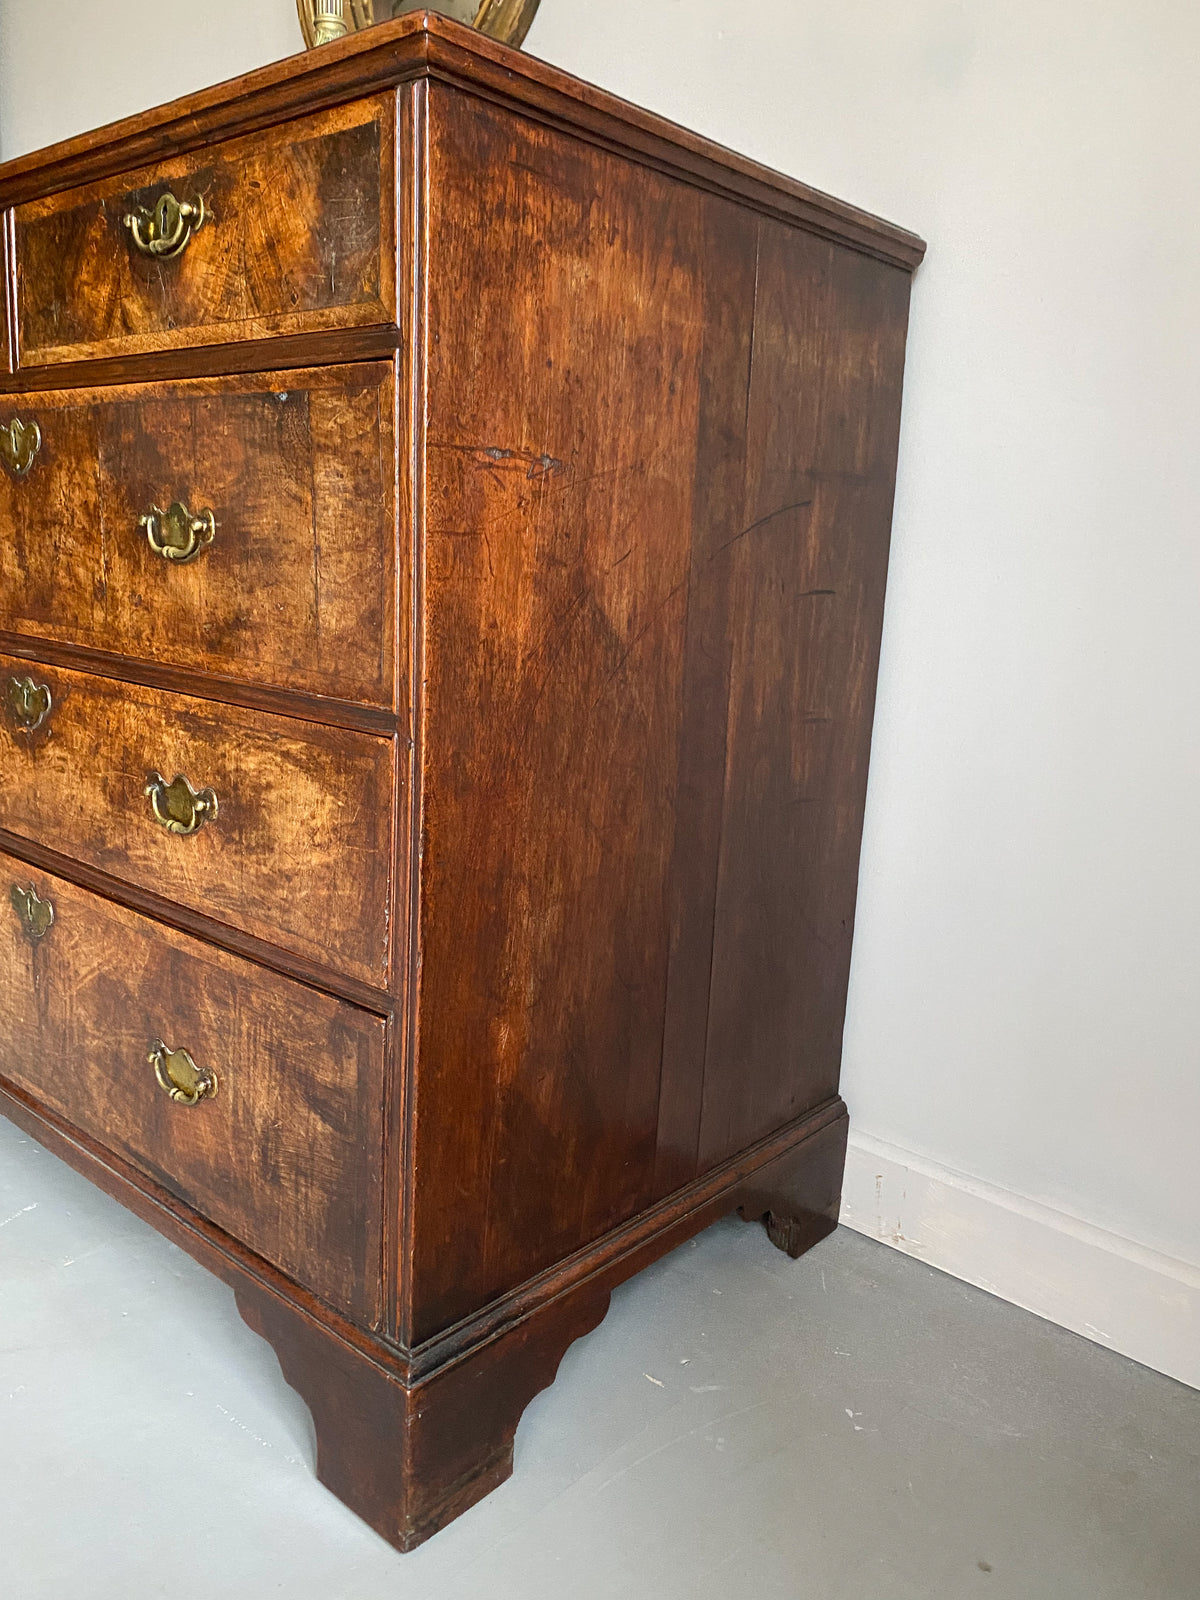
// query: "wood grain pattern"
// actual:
[[286, 1155], [296, 590], [729, 251], [563, 692], [562, 405], [656, 543], [309, 969], [806, 612], [207, 686], [796, 1171], [278, 354], [409, 1459], [300, 852], [8, 280], [301, 237], [411, 190]]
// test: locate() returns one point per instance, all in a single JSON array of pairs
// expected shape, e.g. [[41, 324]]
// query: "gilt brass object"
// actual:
[[175, 534], [179, 1076], [29, 703], [323, 21], [19, 444], [165, 229], [36, 915], [177, 806]]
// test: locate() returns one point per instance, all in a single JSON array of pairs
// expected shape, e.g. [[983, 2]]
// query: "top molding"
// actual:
[[423, 44]]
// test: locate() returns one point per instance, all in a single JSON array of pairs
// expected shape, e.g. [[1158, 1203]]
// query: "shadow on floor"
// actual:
[[851, 1426]]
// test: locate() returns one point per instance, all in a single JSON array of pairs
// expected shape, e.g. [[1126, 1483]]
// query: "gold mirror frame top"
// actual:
[[322, 21]]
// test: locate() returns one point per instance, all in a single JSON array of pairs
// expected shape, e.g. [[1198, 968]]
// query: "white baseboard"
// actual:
[[1098, 1284]]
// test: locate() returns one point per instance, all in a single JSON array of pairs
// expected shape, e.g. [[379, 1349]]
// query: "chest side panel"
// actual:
[[565, 329], [806, 587], [661, 455]]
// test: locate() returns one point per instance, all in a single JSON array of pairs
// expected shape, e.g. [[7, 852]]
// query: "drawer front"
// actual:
[[299, 848], [296, 233], [276, 566], [285, 1155]]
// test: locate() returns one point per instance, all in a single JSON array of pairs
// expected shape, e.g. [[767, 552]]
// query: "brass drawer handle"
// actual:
[[165, 229], [177, 806], [36, 915], [29, 703], [179, 1076], [175, 534], [19, 444]]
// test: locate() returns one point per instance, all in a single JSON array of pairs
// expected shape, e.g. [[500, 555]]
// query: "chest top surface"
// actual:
[[425, 44]]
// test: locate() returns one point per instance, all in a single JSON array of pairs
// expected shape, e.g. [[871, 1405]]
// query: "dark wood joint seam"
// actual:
[[274, 701], [198, 925]]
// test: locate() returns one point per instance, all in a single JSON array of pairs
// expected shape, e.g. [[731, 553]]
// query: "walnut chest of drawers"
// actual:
[[443, 529]]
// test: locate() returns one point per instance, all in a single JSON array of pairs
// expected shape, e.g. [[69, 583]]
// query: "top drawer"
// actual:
[[296, 233]]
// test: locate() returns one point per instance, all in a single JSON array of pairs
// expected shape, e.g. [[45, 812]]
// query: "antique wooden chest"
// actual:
[[444, 517]]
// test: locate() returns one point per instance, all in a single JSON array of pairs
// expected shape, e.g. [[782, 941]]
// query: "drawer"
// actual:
[[285, 1155], [296, 233], [282, 570], [299, 849]]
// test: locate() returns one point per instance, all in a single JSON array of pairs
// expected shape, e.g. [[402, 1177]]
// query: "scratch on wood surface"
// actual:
[[761, 522], [559, 624], [536, 464], [638, 637]]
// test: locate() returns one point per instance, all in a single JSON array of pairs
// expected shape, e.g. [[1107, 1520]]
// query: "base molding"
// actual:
[[410, 1452], [410, 1439], [1113, 1291], [761, 1182]]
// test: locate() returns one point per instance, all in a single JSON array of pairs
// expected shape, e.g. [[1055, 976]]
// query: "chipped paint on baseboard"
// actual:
[[1110, 1289]]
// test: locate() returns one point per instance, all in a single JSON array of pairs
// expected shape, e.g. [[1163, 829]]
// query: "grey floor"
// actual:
[[852, 1426]]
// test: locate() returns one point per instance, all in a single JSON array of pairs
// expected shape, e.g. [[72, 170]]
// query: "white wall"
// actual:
[[1026, 993], [70, 65], [1024, 1005]]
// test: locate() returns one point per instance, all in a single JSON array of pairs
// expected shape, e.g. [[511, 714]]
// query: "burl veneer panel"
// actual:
[[296, 589], [287, 1154], [649, 667], [300, 237], [300, 852]]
